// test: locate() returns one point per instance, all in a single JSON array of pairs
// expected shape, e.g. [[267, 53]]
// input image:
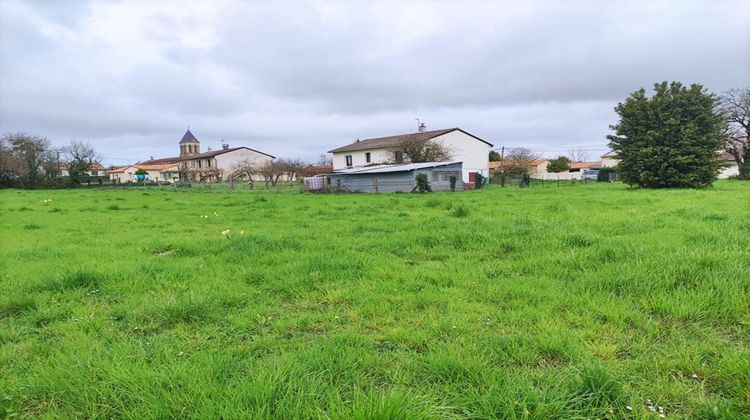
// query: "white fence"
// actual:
[[562, 176]]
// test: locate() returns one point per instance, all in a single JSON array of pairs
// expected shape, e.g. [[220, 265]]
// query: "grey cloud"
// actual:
[[297, 78]]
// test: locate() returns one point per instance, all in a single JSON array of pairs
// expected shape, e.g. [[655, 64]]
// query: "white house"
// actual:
[[96, 169], [467, 148], [609, 160], [166, 172], [192, 163]]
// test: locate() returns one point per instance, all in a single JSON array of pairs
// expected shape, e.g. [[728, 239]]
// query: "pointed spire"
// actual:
[[188, 137]]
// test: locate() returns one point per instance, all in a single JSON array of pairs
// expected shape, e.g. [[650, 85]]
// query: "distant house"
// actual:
[[609, 160], [467, 148], [96, 169], [730, 166], [165, 172], [192, 164], [397, 178]]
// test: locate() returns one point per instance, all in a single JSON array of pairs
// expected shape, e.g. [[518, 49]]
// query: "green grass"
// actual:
[[541, 303]]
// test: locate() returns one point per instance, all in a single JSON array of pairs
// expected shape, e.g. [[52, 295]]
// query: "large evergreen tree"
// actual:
[[670, 140], [559, 164]]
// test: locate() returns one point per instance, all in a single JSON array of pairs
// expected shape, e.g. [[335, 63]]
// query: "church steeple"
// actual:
[[189, 145]]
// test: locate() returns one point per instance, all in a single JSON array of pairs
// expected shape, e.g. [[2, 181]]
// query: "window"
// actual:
[[367, 157], [200, 164], [348, 160], [399, 157], [209, 163]]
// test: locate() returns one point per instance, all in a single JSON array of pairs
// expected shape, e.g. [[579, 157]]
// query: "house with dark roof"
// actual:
[[194, 165], [472, 151]]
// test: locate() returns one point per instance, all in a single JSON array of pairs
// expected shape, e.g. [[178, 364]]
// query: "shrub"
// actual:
[[478, 182], [604, 174], [423, 184], [452, 180]]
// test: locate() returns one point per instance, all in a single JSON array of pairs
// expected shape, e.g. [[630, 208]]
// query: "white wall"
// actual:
[[732, 170], [358, 158], [608, 162], [226, 161], [556, 176], [473, 153]]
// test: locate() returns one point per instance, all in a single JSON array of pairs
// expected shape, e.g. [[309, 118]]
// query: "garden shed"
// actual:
[[397, 178]]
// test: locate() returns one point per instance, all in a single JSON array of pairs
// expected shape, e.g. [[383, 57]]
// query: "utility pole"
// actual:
[[502, 166]]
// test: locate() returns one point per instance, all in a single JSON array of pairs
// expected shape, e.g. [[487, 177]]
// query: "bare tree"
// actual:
[[32, 154], [183, 173], [577, 155], [291, 168], [11, 169], [735, 108], [417, 149], [325, 159], [209, 175], [271, 171], [518, 161], [244, 171], [80, 157]]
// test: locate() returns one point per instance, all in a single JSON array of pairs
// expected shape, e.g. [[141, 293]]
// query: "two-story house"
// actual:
[[464, 147]]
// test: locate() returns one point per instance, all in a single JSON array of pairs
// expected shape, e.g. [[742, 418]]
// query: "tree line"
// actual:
[[28, 160]]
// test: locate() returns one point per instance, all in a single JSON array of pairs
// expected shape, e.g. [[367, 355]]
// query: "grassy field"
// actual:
[[588, 301]]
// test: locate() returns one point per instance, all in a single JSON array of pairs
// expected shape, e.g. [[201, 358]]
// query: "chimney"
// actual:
[[422, 127], [152, 158], [225, 146]]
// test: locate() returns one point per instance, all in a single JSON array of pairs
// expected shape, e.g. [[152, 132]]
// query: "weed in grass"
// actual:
[[14, 305], [187, 310], [597, 389], [578, 241], [55, 210], [24, 208], [79, 279], [460, 210], [32, 226], [113, 207]]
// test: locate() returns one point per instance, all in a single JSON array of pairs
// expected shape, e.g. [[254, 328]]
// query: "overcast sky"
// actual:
[[295, 79]]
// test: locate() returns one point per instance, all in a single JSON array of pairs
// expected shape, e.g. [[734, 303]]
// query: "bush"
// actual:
[[423, 184], [478, 182], [604, 174], [453, 183]]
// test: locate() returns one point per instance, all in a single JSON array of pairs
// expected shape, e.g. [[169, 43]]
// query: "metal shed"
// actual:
[[397, 178]]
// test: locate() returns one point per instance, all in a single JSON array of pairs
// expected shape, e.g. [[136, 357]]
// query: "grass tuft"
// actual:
[[460, 210]]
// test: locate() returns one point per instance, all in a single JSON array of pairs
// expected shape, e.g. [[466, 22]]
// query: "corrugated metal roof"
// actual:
[[378, 169]]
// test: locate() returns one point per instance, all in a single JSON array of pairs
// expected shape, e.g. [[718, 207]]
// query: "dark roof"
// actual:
[[162, 160], [200, 156], [188, 138], [393, 141], [222, 151]]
